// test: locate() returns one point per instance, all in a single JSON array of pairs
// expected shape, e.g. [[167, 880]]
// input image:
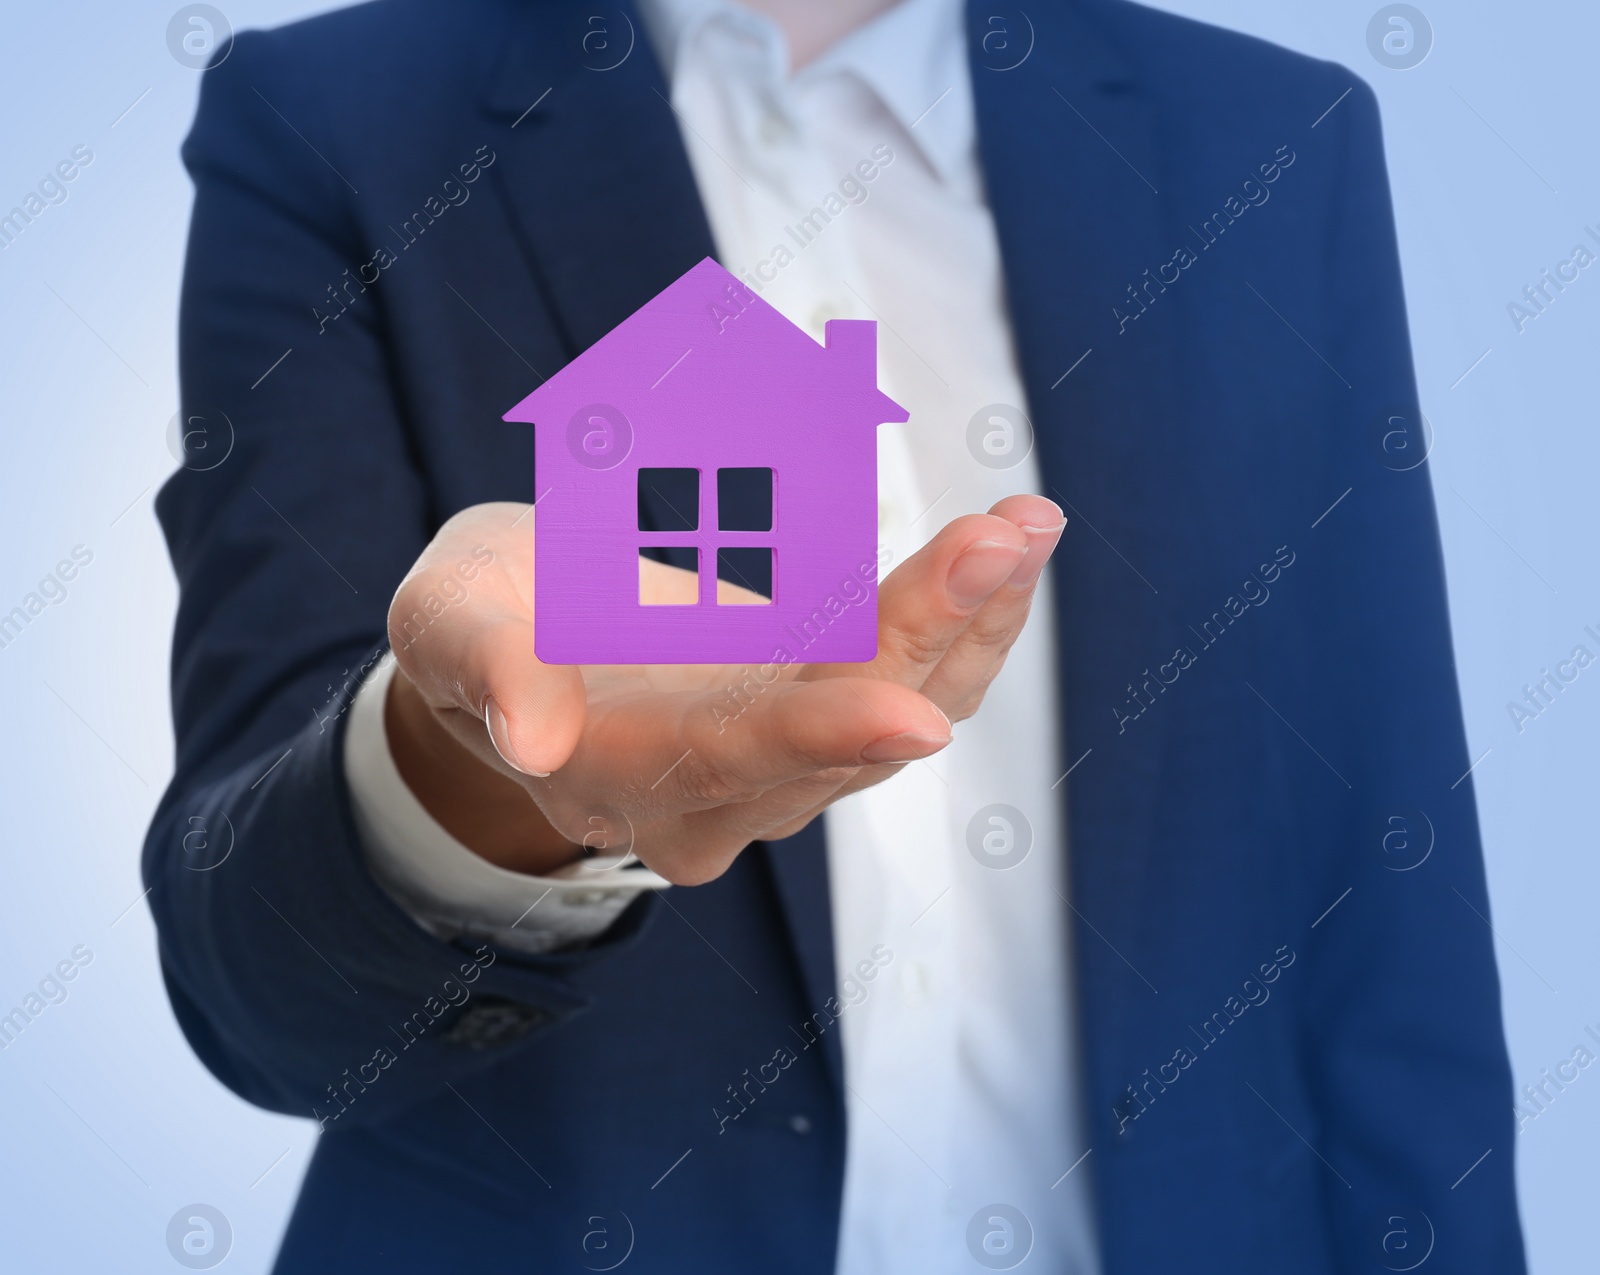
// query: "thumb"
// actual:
[[534, 712], [472, 660]]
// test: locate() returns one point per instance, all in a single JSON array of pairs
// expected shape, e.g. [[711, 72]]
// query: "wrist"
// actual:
[[487, 811]]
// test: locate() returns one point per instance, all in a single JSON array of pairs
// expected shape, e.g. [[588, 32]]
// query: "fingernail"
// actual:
[[906, 747], [979, 571], [1041, 542], [500, 736]]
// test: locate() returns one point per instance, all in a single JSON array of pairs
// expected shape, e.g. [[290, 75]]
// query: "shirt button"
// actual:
[[916, 983], [891, 522], [800, 1123], [774, 130]]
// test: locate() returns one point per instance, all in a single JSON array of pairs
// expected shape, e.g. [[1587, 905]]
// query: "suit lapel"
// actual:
[[600, 190], [594, 169], [1069, 148]]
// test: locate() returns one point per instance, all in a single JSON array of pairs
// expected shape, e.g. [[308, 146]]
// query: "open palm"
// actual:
[[684, 764]]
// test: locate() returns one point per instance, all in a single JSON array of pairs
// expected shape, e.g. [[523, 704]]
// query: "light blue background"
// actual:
[[110, 1124]]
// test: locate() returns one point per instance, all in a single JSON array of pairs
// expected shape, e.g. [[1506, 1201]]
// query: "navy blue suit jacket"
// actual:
[[406, 215]]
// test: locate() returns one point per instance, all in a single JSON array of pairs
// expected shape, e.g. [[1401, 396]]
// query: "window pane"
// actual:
[[748, 568], [663, 586], [669, 499], [744, 500]]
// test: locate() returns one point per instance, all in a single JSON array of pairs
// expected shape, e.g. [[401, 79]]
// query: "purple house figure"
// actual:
[[710, 381]]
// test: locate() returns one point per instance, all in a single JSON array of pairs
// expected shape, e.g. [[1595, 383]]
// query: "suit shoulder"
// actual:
[[361, 39], [1194, 64], [367, 59], [376, 88]]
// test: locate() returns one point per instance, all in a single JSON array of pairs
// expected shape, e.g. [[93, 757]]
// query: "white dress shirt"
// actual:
[[959, 1052]]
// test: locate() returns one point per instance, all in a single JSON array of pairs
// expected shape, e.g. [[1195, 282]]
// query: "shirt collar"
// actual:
[[912, 57]]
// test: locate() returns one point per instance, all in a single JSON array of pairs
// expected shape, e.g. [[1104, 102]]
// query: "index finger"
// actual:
[[673, 754], [931, 600]]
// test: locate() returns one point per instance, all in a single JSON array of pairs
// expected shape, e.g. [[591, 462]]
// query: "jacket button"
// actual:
[[494, 1022]]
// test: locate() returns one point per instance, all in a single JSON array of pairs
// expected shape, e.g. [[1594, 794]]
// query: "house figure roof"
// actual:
[[708, 378]]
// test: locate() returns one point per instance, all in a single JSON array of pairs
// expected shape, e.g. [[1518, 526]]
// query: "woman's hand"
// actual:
[[684, 764]]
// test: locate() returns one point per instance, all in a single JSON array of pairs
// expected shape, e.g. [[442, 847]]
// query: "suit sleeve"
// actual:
[[295, 515], [1405, 1051]]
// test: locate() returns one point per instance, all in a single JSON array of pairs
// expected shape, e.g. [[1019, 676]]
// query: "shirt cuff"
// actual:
[[451, 891]]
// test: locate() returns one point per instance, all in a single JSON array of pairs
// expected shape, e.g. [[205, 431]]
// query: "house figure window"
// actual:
[[669, 501]]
